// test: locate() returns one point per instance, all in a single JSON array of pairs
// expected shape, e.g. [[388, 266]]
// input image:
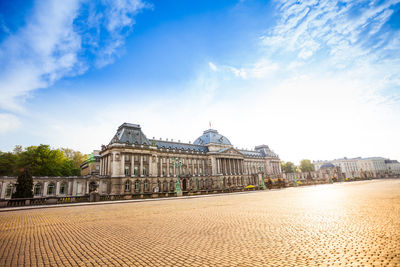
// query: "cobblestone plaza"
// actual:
[[343, 224]]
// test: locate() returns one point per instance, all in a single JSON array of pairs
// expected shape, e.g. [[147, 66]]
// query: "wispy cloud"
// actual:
[[61, 38], [8, 123]]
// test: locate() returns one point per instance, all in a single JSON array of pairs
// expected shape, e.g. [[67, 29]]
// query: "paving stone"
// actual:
[[347, 224]]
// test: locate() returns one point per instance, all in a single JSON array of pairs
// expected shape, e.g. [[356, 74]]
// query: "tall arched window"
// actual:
[[37, 190], [171, 186], [9, 190], [127, 185], [146, 185], [51, 189], [144, 171], [63, 188]]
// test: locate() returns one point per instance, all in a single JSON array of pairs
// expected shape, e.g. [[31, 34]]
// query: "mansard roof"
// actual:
[[178, 146], [130, 134], [266, 151], [251, 153]]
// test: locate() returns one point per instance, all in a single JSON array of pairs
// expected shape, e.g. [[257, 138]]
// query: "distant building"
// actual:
[[91, 166], [393, 167], [374, 167], [348, 166]]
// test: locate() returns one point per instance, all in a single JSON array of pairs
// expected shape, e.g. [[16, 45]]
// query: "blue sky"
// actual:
[[312, 79]]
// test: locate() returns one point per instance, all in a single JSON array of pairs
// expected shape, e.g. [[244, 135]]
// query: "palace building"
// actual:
[[136, 164]]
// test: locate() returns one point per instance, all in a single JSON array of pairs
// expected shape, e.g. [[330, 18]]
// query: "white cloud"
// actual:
[[56, 41], [8, 123], [212, 66]]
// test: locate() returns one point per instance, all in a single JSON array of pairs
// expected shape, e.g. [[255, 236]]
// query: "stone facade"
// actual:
[[324, 174], [373, 167], [136, 164]]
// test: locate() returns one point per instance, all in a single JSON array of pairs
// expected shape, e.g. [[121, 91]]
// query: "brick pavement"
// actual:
[[341, 224]]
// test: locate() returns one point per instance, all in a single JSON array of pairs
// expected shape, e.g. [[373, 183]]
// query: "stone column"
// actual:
[[167, 166], [45, 189], [218, 165], [70, 188], [192, 166], [133, 165], [203, 167], [141, 166], [173, 168], [102, 166], [57, 188], [230, 166], [122, 166], [3, 190], [213, 166], [160, 161], [109, 164], [198, 167], [155, 167], [150, 172], [87, 187]]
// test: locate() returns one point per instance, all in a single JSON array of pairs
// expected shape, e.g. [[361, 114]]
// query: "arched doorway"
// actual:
[[92, 186]]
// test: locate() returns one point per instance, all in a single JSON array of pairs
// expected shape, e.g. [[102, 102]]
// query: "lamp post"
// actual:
[[260, 167], [177, 162]]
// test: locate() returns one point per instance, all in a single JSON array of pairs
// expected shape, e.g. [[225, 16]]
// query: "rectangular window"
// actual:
[[136, 158], [127, 171]]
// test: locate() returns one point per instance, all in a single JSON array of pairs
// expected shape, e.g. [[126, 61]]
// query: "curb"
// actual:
[[121, 201]]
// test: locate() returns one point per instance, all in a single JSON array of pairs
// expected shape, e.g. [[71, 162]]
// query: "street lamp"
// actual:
[[295, 179], [177, 162], [260, 167]]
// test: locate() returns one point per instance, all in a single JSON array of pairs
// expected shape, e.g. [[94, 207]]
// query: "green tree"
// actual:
[[44, 161], [306, 166], [77, 157], [18, 149], [24, 185], [288, 167], [7, 163]]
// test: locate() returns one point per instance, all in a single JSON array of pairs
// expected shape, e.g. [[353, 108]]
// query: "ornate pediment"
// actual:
[[229, 152]]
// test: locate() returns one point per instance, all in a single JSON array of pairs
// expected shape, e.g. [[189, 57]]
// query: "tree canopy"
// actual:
[[41, 161], [288, 167], [306, 166]]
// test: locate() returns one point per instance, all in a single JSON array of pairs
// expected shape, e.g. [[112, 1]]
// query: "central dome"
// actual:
[[212, 136]]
